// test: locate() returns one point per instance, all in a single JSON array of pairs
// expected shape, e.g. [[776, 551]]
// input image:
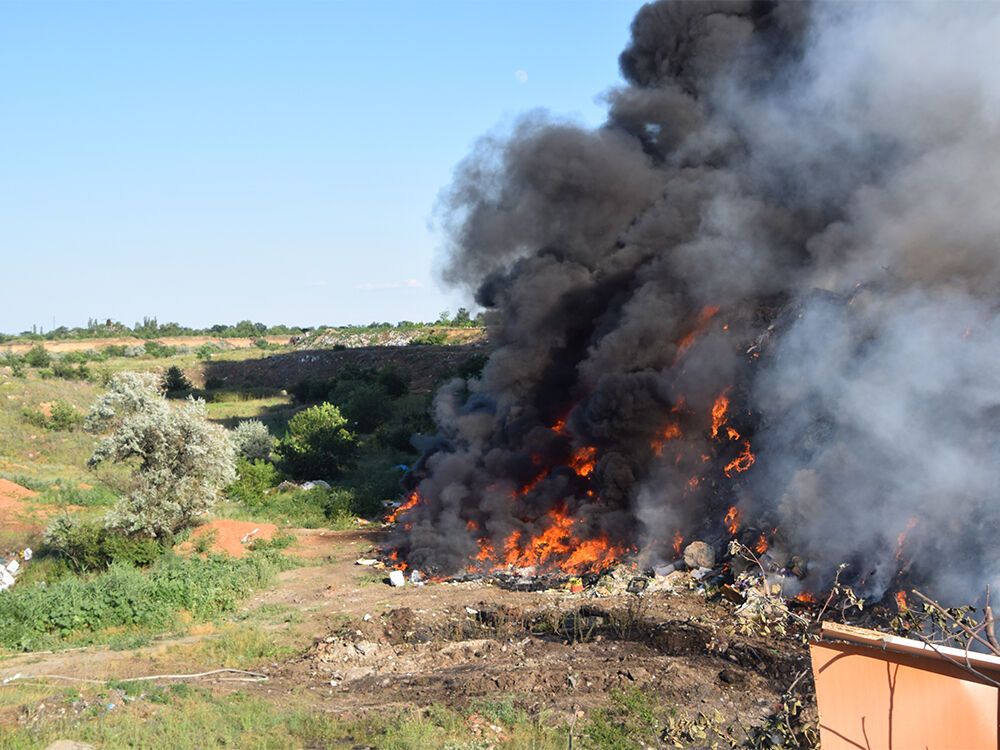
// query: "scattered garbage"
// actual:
[[246, 538], [397, 578], [11, 566], [368, 562], [416, 579], [314, 483]]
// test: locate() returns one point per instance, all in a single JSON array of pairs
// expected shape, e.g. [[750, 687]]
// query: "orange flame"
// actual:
[[901, 601], [397, 564], [732, 519], [558, 547], [583, 461], [693, 482], [761, 547], [742, 462], [671, 432], [678, 542], [719, 409], [704, 317], [411, 501], [733, 434], [486, 551], [805, 598], [901, 539]]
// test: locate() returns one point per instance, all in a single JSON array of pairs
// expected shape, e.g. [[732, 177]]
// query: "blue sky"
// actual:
[[212, 161]]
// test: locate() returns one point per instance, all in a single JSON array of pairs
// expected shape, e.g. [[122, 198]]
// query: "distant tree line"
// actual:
[[151, 328]]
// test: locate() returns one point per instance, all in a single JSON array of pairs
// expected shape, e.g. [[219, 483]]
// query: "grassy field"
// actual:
[[186, 718], [28, 451]]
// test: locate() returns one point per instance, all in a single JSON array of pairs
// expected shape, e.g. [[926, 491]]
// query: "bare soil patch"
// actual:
[[17, 515], [230, 537]]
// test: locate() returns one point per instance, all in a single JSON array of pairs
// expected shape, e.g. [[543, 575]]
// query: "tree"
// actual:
[[318, 444], [462, 318], [180, 460], [175, 382]]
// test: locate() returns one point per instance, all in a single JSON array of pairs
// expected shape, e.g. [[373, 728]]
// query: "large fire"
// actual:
[[562, 541]]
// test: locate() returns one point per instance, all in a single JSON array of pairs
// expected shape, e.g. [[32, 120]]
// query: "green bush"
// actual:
[[66, 371], [431, 338], [205, 351], [253, 480], [62, 416], [89, 546], [367, 407], [159, 350], [16, 364], [374, 479], [318, 443], [38, 356], [33, 617]]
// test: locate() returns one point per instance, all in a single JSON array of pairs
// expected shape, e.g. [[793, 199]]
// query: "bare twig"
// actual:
[[961, 625], [988, 623]]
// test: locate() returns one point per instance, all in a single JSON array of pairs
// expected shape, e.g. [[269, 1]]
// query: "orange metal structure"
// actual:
[[882, 692]]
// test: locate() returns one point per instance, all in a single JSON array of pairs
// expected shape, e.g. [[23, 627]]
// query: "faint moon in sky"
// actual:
[[521, 75]]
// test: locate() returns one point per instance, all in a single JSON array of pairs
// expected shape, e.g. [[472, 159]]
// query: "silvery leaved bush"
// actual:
[[252, 440], [180, 459]]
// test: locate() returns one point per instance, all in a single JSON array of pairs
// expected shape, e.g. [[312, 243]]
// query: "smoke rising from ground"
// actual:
[[827, 176]]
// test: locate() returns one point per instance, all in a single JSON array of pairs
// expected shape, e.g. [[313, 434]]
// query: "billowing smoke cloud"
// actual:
[[793, 206]]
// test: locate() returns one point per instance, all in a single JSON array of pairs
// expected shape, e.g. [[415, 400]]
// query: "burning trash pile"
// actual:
[[758, 304]]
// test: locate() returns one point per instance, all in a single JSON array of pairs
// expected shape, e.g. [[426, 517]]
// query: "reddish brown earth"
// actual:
[[228, 536], [17, 513]]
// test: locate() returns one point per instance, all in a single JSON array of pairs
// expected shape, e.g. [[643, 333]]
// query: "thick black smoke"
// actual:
[[827, 177]]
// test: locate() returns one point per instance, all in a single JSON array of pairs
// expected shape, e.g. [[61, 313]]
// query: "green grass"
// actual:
[[274, 411], [43, 456], [236, 645], [124, 599], [182, 717]]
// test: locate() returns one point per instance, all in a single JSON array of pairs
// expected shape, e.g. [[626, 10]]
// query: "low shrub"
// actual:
[[62, 416], [252, 440], [37, 356], [89, 546], [205, 351], [66, 371], [253, 480], [123, 596], [431, 338], [158, 349], [16, 364]]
